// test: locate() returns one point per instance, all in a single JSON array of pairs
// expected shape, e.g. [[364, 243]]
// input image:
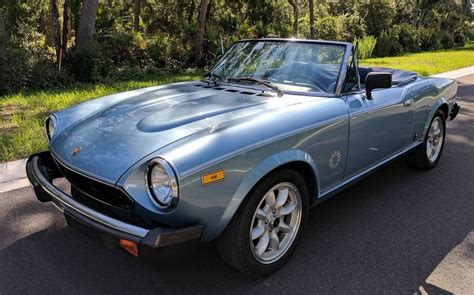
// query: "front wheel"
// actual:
[[427, 155], [264, 232]]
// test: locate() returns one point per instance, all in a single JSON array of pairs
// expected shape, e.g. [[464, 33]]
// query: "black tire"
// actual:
[[419, 158], [234, 243]]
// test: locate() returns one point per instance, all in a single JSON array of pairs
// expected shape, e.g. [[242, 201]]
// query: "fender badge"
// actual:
[[76, 150], [212, 177], [335, 159]]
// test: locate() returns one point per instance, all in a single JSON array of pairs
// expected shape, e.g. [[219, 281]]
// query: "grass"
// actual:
[[428, 63], [22, 114]]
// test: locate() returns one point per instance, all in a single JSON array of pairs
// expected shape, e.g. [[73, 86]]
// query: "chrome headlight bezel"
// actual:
[[50, 126], [172, 183]]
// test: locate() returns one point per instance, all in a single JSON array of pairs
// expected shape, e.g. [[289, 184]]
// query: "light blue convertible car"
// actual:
[[276, 127]]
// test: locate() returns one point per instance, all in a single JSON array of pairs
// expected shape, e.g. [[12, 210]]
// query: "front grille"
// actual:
[[94, 193]]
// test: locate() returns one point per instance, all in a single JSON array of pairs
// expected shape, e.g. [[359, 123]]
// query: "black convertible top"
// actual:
[[398, 76]]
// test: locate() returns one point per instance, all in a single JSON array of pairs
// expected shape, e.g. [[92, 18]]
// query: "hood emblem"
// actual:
[[76, 150]]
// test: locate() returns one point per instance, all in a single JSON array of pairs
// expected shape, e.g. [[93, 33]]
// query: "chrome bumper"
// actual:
[[454, 110], [41, 171]]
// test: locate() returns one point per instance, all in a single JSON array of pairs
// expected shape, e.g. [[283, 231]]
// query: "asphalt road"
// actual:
[[397, 231]]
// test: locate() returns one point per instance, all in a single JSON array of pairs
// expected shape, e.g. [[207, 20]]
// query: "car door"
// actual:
[[379, 127]]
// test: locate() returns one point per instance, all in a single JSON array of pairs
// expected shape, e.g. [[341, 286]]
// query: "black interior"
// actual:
[[322, 77]]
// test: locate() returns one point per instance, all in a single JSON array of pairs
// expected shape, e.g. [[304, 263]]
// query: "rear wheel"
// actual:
[[427, 155], [264, 232]]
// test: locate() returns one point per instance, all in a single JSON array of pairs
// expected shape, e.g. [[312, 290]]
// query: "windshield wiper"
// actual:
[[212, 78], [254, 80]]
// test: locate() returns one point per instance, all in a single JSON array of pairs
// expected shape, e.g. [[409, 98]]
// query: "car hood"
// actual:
[[105, 144]]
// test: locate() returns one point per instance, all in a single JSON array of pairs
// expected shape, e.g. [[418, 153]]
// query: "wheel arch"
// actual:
[[440, 104], [299, 160]]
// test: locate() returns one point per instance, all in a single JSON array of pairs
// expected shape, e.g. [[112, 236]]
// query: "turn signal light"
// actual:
[[129, 246]]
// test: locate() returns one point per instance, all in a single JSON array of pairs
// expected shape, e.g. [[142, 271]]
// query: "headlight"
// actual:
[[50, 127], [162, 183]]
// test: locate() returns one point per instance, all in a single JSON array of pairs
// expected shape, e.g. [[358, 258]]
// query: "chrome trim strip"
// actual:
[[70, 204]]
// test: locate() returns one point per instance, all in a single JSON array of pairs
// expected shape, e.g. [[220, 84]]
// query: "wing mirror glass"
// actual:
[[376, 80]]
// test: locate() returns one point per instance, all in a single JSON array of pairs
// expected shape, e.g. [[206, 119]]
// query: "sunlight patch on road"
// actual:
[[455, 273]]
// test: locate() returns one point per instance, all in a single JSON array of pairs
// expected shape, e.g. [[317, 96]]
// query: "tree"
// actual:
[[311, 19], [67, 5], [378, 15], [86, 22], [199, 38], [3, 31], [136, 15], [55, 27], [294, 5]]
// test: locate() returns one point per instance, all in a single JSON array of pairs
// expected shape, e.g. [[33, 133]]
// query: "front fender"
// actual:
[[256, 174]]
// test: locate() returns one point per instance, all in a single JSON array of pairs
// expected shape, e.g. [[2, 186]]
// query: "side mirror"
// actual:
[[376, 80]]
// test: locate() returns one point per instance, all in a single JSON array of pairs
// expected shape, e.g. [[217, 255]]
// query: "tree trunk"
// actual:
[[67, 5], [86, 22], [55, 27], [136, 15], [294, 4], [192, 7], [3, 32], [311, 19], [180, 9], [199, 38]]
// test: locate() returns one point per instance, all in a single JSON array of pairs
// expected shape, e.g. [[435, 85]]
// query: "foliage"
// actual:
[[165, 36], [379, 15], [329, 28], [365, 46]]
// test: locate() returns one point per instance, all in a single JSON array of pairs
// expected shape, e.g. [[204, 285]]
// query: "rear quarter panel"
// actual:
[[430, 94]]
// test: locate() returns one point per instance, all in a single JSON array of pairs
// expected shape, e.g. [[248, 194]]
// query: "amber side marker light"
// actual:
[[129, 246], [212, 177]]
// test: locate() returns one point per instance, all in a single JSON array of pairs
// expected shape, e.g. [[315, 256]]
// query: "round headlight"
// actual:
[[162, 183], [50, 127]]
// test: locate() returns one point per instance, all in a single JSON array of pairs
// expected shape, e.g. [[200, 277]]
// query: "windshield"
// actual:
[[292, 66]]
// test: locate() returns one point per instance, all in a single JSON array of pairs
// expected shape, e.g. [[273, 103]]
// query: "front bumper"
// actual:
[[454, 110], [41, 170]]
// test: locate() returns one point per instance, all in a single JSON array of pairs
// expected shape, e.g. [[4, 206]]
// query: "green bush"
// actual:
[[365, 46], [378, 15], [353, 26], [388, 44], [429, 40], [446, 39], [88, 64], [329, 28], [21, 68], [384, 45], [408, 37]]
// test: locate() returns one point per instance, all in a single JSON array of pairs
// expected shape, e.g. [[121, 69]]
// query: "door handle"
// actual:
[[408, 102]]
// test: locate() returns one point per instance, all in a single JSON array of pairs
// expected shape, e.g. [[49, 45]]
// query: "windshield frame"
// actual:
[[343, 67]]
